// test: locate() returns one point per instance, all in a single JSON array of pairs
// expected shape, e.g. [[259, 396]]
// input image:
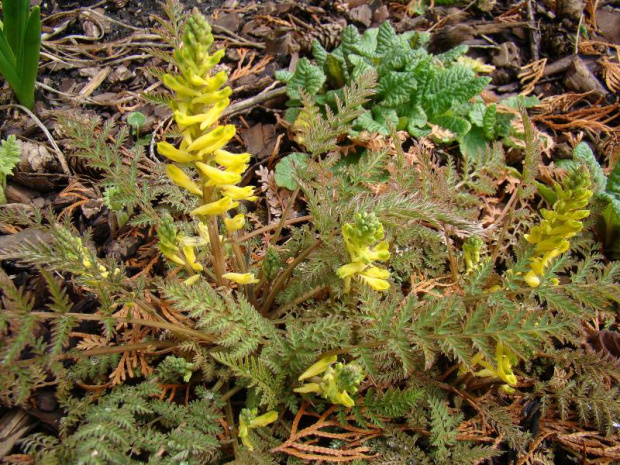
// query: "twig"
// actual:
[[61, 157], [253, 101], [308, 295], [242, 40], [532, 32]]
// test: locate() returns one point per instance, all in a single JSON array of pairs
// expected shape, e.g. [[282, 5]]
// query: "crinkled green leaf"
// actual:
[[367, 123], [318, 52], [308, 77], [452, 54], [386, 38], [395, 89], [488, 122], [335, 69], [476, 114], [457, 125]]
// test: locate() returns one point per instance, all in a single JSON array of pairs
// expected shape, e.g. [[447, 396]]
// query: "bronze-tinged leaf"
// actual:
[[605, 341]]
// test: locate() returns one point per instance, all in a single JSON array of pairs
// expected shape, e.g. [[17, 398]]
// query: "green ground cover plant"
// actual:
[[375, 331], [416, 91]]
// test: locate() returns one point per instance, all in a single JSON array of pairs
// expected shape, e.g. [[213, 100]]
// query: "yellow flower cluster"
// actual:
[[560, 224], [359, 238], [335, 384], [197, 105], [248, 420], [504, 361]]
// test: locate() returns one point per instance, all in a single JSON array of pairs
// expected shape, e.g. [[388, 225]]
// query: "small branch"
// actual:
[[269, 227], [287, 210], [284, 308]]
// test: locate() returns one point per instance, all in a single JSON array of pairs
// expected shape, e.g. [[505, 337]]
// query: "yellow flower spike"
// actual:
[[239, 193], [241, 278], [235, 223], [216, 208], [209, 98], [217, 177], [171, 152], [318, 367], [213, 140], [358, 239], [504, 361], [551, 237], [181, 179]]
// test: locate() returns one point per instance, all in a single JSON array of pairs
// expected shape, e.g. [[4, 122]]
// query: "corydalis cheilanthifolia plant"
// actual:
[[198, 103]]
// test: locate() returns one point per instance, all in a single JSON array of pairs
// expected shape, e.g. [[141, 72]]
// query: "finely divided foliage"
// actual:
[[435, 338]]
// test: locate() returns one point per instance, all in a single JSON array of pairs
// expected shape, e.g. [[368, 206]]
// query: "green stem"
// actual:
[[281, 280], [187, 333]]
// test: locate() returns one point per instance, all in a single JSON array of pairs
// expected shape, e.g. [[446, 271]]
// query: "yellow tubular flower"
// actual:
[[241, 278], [318, 368], [239, 193], [213, 140], [248, 420], [235, 223], [172, 153], [216, 208], [504, 361], [218, 177], [332, 382], [182, 180], [210, 98]]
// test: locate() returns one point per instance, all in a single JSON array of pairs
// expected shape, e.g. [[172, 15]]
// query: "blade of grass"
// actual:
[[29, 65], [15, 17]]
